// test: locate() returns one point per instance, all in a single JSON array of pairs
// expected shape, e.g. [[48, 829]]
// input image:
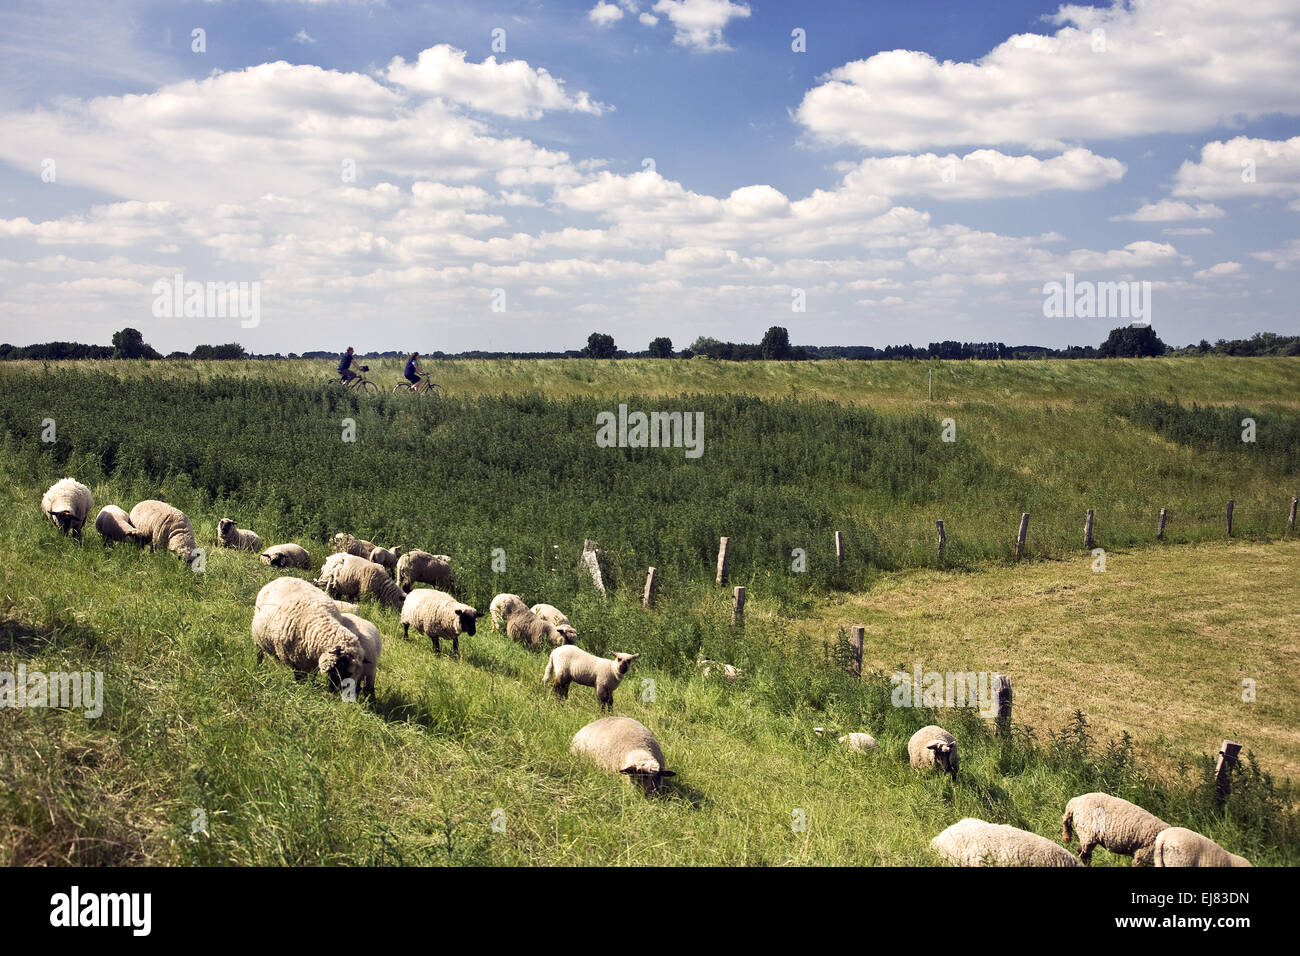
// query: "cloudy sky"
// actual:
[[517, 175]]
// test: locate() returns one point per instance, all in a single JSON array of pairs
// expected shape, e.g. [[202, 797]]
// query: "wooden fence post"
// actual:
[[931, 398], [1020, 538], [1160, 532], [723, 545], [1087, 531], [943, 539], [1222, 771], [648, 600], [1002, 695], [591, 564], [856, 633], [738, 607], [1230, 504], [1294, 502], [839, 547]]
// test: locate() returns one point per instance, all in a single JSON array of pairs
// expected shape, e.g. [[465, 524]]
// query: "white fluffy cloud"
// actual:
[[1242, 167], [1170, 210], [983, 174], [605, 14], [1219, 270], [698, 24]]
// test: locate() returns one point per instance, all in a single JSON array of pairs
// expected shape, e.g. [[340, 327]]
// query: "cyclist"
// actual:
[[414, 374], [345, 366]]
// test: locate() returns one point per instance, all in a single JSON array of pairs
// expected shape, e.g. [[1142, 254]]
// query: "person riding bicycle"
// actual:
[[345, 366], [414, 374]]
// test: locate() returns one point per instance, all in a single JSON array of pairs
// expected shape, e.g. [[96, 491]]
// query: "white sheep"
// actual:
[[1121, 827], [300, 627], [570, 663], [114, 524], [386, 557], [67, 503], [567, 632], [727, 671], [933, 746], [502, 606], [372, 645], [286, 556], [437, 615], [972, 842], [525, 627], [230, 536], [421, 567], [623, 745], [166, 527], [859, 743], [347, 576], [344, 543], [1178, 846]]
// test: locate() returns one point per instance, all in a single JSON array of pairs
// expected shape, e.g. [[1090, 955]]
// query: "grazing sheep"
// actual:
[[300, 627], [1119, 826], [528, 629], [859, 743], [166, 527], [502, 606], [567, 632], [114, 524], [286, 556], [727, 671], [437, 614], [571, 663], [970, 842], [229, 536], [372, 645], [1178, 846], [387, 557], [933, 746], [348, 576], [421, 567], [344, 543], [67, 502], [624, 745]]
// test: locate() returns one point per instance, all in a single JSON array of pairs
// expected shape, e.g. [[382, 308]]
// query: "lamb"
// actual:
[[970, 842], [571, 663], [372, 645], [568, 634], [437, 615], [387, 557], [114, 524], [1178, 846], [421, 567], [348, 576], [528, 629], [300, 627], [286, 556], [67, 502], [1119, 826], [859, 743], [230, 536], [624, 745], [344, 543], [166, 527], [933, 746], [502, 606]]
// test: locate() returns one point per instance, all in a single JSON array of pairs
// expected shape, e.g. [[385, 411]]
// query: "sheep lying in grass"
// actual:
[[437, 615], [229, 536], [570, 663], [502, 606], [859, 743], [623, 745], [1178, 846], [67, 503], [726, 671], [972, 842], [421, 567], [567, 633], [1119, 826], [286, 556], [166, 527], [933, 746], [347, 576], [386, 557], [344, 543], [114, 524], [372, 645], [300, 627]]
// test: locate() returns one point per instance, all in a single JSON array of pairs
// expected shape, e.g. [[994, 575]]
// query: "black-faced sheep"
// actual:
[[114, 524], [344, 543], [348, 576], [421, 567], [565, 631], [437, 615], [387, 557], [570, 663], [299, 626], [67, 503], [372, 645], [933, 746], [167, 527], [229, 536], [623, 745], [502, 606], [286, 556]]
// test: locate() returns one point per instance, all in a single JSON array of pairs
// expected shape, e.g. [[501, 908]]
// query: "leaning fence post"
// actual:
[[1230, 504], [943, 539], [1024, 530], [1002, 695], [738, 607], [1294, 502], [723, 545], [648, 599], [1087, 531], [1160, 532], [839, 547], [856, 633], [591, 564], [1223, 769]]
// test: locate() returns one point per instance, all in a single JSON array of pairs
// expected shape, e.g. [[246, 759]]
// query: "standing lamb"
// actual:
[[502, 606], [386, 557], [286, 556], [114, 524], [344, 543], [1119, 826], [372, 645], [67, 503], [348, 576], [421, 567], [1178, 846], [970, 842], [933, 746], [229, 536], [437, 615], [299, 626], [557, 618], [166, 527], [571, 663], [624, 745]]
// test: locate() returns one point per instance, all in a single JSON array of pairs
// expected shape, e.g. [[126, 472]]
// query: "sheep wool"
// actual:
[[114, 524], [372, 645], [437, 615], [502, 606], [348, 576], [525, 627], [623, 745], [67, 503], [1178, 846], [421, 567], [167, 527], [859, 743], [1121, 827], [972, 842], [344, 543], [728, 673], [386, 557], [229, 536], [286, 556], [566, 632], [933, 746], [300, 627], [571, 664]]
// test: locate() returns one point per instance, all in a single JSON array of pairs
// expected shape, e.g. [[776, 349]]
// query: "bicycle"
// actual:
[[358, 382], [425, 387]]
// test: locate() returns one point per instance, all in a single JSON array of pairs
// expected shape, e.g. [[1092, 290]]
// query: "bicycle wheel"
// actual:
[[433, 390], [368, 387]]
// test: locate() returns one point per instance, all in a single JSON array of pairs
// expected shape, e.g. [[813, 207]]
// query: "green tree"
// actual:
[[776, 343], [661, 347], [1131, 342], [130, 344], [599, 345]]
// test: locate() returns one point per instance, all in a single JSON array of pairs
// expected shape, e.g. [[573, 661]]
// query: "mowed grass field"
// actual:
[[279, 772]]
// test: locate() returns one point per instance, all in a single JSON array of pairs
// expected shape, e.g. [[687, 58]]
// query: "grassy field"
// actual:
[[280, 772]]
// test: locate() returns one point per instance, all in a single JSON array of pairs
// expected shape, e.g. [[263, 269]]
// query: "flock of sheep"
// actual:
[[313, 626]]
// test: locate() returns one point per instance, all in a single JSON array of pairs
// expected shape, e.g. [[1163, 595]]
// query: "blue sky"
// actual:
[[918, 172]]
